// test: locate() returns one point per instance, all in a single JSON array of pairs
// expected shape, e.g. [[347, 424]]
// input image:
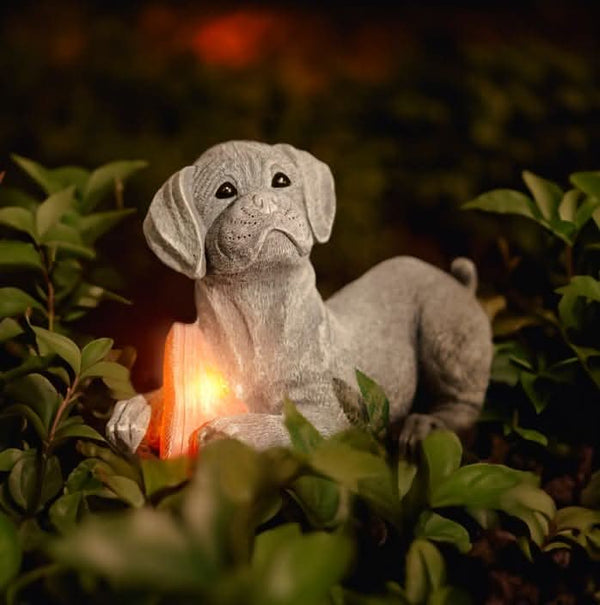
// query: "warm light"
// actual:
[[194, 391], [237, 39], [207, 391]]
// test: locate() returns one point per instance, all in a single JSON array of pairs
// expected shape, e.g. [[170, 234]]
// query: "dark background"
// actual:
[[417, 109]]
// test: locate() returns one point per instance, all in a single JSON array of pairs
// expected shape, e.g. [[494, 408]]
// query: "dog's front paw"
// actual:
[[129, 423], [415, 428], [213, 430]]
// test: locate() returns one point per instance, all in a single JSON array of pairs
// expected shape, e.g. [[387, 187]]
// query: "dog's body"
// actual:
[[403, 323]]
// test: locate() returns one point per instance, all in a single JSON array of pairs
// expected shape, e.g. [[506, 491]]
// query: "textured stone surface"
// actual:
[[404, 323]]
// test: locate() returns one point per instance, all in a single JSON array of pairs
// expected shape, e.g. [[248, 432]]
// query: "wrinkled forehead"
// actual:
[[245, 163]]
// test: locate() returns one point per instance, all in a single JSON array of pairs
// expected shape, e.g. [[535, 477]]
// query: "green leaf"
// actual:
[[19, 255], [268, 542], [20, 219], [588, 182], [436, 528], [104, 179], [568, 205], [126, 489], [546, 194], [118, 464], [504, 368], [52, 210], [10, 549], [564, 230], [406, 475], [142, 548], [443, 453], [9, 457], [38, 173], [532, 505], [93, 226], [52, 180], [9, 329], [476, 486], [425, 571], [89, 296], [66, 276], [9, 196], [580, 286], [505, 201], [164, 474], [319, 498], [586, 211], [303, 435], [51, 342], [115, 377], [67, 239], [52, 481], [28, 413], [578, 525], [37, 392], [289, 565], [378, 406], [538, 397], [66, 511], [83, 477], [531, 435], [22, 482], [77, 430], [95, 351], [348, 466]]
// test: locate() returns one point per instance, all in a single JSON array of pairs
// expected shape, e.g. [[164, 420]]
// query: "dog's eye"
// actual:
[[280, 180], [226, 190]]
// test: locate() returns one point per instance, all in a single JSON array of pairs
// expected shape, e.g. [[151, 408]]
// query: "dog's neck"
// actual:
[[263, 324]]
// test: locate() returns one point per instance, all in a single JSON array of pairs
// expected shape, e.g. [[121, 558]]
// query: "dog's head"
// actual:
[[240, 203]]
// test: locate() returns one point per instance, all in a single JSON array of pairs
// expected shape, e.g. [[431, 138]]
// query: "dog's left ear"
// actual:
[[319, 190], [173, 228]]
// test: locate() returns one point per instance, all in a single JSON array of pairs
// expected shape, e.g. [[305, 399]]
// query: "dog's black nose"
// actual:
[[264, 202]]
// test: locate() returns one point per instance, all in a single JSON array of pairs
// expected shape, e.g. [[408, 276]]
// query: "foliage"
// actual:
[[547, 349], [340, 520], [49, 392], [283, 526], [546, 372]]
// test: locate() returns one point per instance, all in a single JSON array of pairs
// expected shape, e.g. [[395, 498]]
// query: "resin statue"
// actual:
[[241, 222]]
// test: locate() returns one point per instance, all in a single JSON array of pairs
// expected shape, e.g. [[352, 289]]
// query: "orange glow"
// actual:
[[236, 39], [194, 391]]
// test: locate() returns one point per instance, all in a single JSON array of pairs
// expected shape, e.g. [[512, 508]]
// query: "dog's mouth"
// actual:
[[301, 247], [271, 241]]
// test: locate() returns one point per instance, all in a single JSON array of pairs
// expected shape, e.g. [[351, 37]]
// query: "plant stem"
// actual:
[[569, 262], [50, 288], [50, 291], [69, 396]]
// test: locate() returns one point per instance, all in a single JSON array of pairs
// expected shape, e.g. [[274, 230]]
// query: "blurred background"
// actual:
[[416, 108]]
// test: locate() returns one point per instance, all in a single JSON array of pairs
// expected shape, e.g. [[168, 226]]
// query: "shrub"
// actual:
[[344, 519]]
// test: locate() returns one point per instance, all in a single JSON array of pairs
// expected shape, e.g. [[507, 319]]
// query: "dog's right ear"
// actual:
[[173, 228]]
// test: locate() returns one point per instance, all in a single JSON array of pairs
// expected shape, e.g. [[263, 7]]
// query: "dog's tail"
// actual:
[[464, 270]]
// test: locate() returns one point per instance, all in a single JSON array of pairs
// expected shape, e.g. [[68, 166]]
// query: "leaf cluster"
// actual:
[[547, 353], [47, 379], [47, 245], [285, 525]]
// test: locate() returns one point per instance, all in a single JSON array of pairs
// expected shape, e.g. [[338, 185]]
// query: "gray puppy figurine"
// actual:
[[241, 221]]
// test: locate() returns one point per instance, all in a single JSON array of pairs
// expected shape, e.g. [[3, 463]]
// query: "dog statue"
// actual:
[[241, 221]]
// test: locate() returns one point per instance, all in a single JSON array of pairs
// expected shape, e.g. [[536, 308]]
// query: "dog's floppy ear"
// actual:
[[319, 190], [173, 228]]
